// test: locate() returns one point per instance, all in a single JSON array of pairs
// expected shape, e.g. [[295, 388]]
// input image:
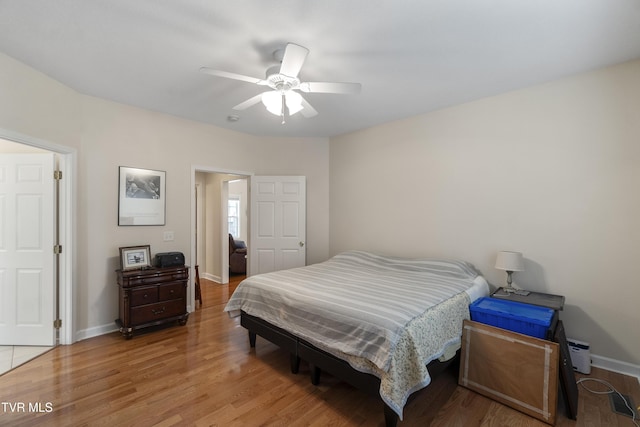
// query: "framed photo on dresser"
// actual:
[[135, 257]]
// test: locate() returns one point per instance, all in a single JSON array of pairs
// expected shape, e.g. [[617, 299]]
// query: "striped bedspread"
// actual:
[[385, 315]]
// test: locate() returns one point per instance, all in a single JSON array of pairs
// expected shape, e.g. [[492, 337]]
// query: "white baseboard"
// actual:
[[616, 366], [95, 331], [211, 277]]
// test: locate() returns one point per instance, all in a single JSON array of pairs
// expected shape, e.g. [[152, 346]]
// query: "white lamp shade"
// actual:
[[273, 101], [510, 261], [294, 102]]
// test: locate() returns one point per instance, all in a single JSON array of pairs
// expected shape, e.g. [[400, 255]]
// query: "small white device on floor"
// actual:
[[580, 355]]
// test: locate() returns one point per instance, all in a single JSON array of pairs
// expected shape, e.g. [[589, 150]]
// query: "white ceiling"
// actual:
[[411, 56]]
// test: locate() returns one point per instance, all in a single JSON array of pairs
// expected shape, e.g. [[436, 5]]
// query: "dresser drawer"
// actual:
[[133, 281], [149, 277], [144, 295], [150, 297], [182, 274], [158, 311], [171, 291]]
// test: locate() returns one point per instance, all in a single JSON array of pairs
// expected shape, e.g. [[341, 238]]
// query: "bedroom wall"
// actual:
[[551, 171], [108, 135]]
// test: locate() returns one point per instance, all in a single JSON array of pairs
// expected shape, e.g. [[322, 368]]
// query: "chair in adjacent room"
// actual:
[[237, 256]]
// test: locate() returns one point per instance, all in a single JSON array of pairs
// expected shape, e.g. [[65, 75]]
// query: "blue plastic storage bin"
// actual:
[[526, 319]]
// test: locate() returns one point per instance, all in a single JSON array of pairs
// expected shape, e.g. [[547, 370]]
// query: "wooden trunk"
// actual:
[[514, 369]]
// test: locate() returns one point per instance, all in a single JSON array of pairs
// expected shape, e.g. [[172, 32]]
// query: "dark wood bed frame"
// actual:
[[320, 360]]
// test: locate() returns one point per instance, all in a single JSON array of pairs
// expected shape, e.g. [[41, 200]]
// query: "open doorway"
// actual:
[[213, 190]]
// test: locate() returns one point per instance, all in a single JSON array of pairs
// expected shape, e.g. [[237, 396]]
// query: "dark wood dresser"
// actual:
[[152, 296]]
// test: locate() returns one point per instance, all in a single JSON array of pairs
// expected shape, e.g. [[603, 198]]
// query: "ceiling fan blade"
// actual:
[[233, 76], [327, 87], [294, 57], [307, 110], [249, 102]]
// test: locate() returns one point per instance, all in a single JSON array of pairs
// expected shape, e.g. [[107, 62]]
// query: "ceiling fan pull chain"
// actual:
[[284, 106]]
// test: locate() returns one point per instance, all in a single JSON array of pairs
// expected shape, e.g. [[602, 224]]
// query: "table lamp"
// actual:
[[510, 262]]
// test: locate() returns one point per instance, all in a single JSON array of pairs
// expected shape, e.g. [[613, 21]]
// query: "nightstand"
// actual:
[[554, 302]]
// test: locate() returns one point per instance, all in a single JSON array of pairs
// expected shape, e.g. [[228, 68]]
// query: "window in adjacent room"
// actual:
[[234, 216]]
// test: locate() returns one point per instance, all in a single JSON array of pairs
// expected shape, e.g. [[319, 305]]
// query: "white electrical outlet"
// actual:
[[168, 236]]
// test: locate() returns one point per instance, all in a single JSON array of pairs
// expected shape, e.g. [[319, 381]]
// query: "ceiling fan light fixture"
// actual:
[[284, 81], [294, 102], [272, 100]]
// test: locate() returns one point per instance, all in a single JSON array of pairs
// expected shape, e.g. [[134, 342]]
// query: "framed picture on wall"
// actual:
[[141, 196], [135, 257]]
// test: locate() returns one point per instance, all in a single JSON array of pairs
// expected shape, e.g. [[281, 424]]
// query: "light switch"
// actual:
[[168, 236]]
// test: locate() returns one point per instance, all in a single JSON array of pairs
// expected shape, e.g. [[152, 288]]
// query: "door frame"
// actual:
[[67, 163], [224, 240]]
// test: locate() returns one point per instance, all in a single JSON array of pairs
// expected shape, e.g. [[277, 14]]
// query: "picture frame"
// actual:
[[135, 257], [141, 196]]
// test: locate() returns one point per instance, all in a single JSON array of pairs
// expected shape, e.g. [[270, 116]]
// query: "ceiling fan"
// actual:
[[283, 99]]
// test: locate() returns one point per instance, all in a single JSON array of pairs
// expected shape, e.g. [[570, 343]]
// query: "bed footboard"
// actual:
[[279, 337], [320, 360]]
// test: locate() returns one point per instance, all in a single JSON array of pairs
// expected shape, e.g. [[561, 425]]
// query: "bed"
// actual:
[[380, 323]]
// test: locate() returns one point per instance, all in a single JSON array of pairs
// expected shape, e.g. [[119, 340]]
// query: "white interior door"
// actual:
[[26, 249], [278, 223]]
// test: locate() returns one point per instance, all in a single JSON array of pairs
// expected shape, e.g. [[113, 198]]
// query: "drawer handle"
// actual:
[[146, 296], [156, 312]]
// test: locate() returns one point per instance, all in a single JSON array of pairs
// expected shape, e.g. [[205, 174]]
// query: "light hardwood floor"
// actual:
[[205, 374]]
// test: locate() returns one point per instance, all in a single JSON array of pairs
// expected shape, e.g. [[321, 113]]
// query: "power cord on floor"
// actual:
[[612, 389]]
